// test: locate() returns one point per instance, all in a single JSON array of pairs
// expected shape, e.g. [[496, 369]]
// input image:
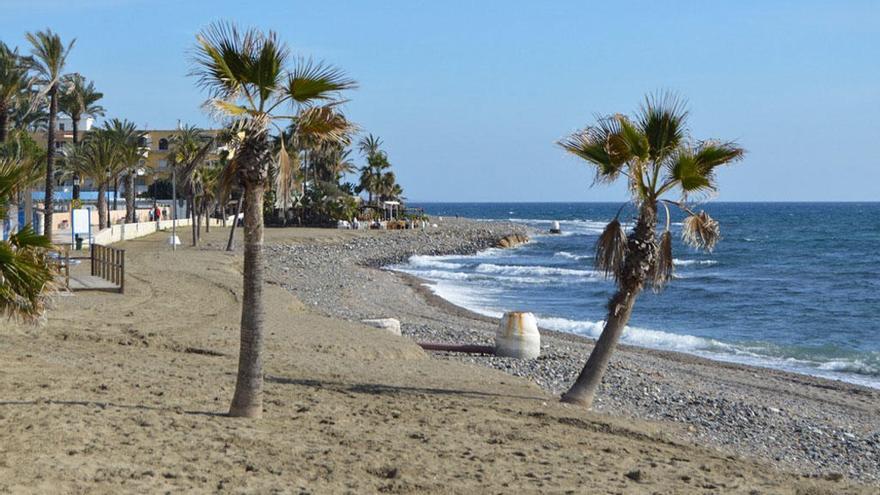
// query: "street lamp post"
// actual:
[[174, 208]]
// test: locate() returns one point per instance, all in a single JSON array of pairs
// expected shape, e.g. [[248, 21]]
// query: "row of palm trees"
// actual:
[[105, 154], [284, 128], [34, 89]]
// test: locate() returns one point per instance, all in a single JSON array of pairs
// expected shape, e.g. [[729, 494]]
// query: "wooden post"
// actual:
[[121, 272]]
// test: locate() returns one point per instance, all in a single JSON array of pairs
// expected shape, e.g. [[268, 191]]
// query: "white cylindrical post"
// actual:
[[517, 336]]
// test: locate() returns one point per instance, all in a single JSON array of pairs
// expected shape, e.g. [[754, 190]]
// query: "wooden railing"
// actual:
[[109, 264]]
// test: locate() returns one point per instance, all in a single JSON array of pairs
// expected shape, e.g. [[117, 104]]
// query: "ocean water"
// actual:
[[793, 286]]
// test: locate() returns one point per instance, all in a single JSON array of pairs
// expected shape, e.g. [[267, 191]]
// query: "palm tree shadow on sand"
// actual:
[[382, 389]]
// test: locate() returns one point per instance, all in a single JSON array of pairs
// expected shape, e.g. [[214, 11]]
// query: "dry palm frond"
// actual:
[[661, 271], [324, 123], [286, 178], [701, 231], [611, 249], [663, 266]]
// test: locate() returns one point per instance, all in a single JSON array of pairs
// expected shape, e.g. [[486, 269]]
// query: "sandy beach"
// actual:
[[127, 393]]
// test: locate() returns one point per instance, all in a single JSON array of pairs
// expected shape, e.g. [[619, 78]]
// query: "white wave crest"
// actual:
[[424, 261], [571, 256], [435, 274], [678, 262], [521, 270], [634, 335]]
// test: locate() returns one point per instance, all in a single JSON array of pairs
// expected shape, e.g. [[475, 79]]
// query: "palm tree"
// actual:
[[189, 149], [656, 155], [249, 80], [26, 272], [129, 155], [377, 161], [96, 158], [79, 98], [13, 82], [50, 56], [369, 145]]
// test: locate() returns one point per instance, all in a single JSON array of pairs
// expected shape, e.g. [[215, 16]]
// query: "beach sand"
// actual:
[[126, 394]]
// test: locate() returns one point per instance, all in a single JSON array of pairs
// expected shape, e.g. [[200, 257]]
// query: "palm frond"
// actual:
[[286, 176], [324, 123], [221, 61], [661, 272], [611, 249], [631, 139], [26, 275], [599, 145], [662, 120], [693, 169], [309, 81], [701, 231]]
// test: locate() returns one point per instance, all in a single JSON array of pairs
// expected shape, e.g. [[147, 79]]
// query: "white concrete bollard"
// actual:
[[390, 325], [517, 336], [173, 240]]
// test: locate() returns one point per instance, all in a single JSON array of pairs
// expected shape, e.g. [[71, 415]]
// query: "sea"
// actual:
[[790, 286]]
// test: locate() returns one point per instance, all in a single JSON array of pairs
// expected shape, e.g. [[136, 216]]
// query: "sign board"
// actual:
[[80, 220]]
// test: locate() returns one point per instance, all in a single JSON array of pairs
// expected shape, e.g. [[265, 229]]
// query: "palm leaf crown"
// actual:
[[248, 74], [654, 151], [26, 273]]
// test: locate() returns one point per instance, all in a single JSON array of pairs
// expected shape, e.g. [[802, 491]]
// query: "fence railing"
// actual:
[[109, 264]]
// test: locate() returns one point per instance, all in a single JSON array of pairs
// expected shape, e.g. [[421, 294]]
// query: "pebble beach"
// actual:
[[813, 426]]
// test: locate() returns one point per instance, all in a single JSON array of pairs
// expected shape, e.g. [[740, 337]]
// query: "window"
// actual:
[[163, 163], [163, 144], [142, 142], [61, 126]]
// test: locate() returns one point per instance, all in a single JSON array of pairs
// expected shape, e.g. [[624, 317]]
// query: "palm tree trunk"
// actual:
[[207, 209], [50, 165], [4, 121], [230, 244], [191, 206], [75, 174], [248, 398], [129, 197], [102, 205], [641, 250], [115, 190]]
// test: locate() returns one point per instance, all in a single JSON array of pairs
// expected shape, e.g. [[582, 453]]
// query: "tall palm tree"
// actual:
[[248, 76], [129, 154], [50, 56], [654, 152], [369, 145], [13, 82], [377, 162], [79, 98], [26, 272]]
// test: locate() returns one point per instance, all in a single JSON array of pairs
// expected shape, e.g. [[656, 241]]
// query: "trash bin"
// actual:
[[79, 242]]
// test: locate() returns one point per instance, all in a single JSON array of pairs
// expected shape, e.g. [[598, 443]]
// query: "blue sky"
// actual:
[[470, 97]]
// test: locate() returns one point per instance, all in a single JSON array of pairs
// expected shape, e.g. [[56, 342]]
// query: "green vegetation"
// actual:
[[26, 272], [653, 152]]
